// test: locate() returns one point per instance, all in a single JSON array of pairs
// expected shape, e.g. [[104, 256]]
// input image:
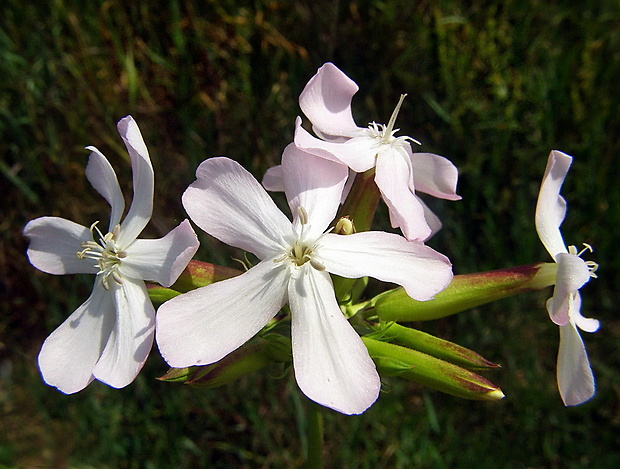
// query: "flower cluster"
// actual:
[[301, 299]]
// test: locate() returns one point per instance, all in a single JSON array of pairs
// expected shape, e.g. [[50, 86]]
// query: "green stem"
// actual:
[[314, 431]]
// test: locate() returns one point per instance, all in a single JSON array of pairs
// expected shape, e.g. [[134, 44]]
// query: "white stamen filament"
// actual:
[[592, 266], [105, 252]]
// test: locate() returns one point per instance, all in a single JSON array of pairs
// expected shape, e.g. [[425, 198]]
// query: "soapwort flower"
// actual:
[[574, 375], [399, 172], [331, 364], [109, 336]]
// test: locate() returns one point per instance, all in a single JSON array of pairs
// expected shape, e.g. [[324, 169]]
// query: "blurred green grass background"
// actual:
[[493, 86]]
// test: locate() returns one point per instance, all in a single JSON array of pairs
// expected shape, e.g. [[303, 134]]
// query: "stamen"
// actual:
[[390, 125], [303, 215]]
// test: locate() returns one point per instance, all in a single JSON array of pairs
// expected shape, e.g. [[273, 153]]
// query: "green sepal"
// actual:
[[465, 292], [434, 346], [247, 359], [395, 360]]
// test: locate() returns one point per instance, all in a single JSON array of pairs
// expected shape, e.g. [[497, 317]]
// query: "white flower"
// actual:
[[332, 365], [399, 172], [575, 379], [109, 336]]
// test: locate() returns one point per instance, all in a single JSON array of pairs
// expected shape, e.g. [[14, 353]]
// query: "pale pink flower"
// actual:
[[331, 364], [109, 337], [575, 378], [399, 172]]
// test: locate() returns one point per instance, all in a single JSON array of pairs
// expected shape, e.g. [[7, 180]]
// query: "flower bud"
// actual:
[[394, 360]]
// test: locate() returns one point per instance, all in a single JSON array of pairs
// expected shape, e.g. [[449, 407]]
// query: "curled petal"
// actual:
[[575, 378], [131, 338], [326, 101], [315, 184], [161, 260], [206, 324], [572, 274], [70, 353], [394, 180], [422, 271], [229, 204], [583, 323], [357, 153], [551, 207], [332, 365], [435, 175], [143, 182], [102, 177], [54, 244], [272, 180]]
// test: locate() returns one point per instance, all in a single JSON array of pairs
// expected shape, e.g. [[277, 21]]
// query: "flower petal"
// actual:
[[575, 378], [435, 175], [102, 177], [394, 180], [572, 274], [326, 101], [229, 204], [315, 184], [422, 271], [143, 182], [357, 153], [272, 180], [161, 260], [551, 207], [131, 338], [70, 353], [54, 243], [206, 324], [332, 365]]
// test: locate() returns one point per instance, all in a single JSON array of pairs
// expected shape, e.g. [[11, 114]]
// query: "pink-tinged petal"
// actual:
[[326, 101], [206, 324], [315, 184], [229, 204], [422, 271], [70, 353], [332, 365], [551, 207], [143, 182], [393, 178], [54, 244], [575, 378], [433, 220], [131, 338], [583, 323], [161, 260], [435, 175], [272, 180], [102, 177], [572, 274], [357, 153]]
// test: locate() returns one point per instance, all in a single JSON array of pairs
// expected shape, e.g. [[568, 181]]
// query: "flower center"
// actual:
[[107, 254], [301, 252], [592, 266]]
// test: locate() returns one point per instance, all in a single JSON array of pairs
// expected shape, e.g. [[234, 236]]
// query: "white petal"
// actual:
[[326, 101], [229, 204], [422, 271], [551, 207], [394, 179], [332, 365], [206, 324], [435, 175], [315, 184], [272, 180], [583, 323], [131, 338], [572, 274], [575, 378], [357, 153], [70, 353], [102, 177], [433, 220], [143, 182], [54, 244], [161, 260]]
